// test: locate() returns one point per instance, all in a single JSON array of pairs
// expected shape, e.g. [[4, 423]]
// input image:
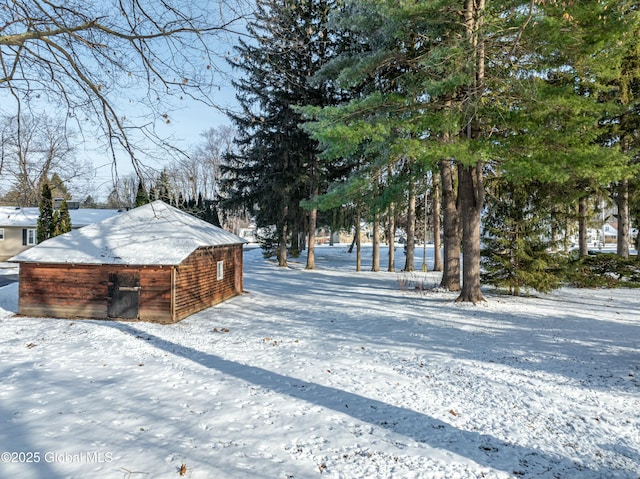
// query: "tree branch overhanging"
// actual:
[[91, 55]]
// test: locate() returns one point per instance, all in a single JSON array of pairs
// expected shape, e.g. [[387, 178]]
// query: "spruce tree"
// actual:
[[274, 166], [517, 241], [142, 197], [210, 213], [163, 190], [46, 226]]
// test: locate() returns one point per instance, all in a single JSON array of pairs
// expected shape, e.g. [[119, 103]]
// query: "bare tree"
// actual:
[[199, 173], [123, 194], [96, 57], [34, 150]]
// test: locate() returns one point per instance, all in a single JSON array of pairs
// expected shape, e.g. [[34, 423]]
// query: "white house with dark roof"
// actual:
[[18, 226]]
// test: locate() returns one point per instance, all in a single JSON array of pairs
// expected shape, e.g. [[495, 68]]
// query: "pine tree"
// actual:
[[558, 130], [142, 197], [45, 220], [414, 71], [485, 83]]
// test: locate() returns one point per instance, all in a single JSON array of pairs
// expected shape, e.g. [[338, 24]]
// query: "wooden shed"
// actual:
[[153, 263]]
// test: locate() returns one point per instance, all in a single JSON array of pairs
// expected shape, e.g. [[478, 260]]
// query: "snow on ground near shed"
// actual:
[[329, 373]]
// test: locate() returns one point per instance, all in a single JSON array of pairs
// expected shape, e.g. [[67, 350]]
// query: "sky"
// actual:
[[184, 131]]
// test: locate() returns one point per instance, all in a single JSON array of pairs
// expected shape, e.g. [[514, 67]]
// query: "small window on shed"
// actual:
[[220, 266], [1, 234]]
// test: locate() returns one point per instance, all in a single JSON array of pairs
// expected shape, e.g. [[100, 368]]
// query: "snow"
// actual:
[[16, 216], [155, 233], [329, 373]]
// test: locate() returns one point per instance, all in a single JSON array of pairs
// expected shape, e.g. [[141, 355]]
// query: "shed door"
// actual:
[[124, 295]]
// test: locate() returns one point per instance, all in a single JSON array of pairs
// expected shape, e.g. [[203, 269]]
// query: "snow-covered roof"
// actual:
[[153, 234], [28, 217]]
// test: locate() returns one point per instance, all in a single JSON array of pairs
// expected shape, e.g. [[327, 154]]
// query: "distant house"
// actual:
[[153, 263], [18, 226]]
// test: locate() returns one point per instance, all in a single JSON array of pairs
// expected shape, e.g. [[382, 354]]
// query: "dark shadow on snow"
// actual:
[[486, 450]]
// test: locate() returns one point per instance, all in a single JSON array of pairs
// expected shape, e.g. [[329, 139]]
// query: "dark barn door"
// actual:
[[124, 295]]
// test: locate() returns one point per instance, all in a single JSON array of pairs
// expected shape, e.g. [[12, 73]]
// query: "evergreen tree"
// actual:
[[416, 71], [489, 82], [89, 202], [142, 198], [275, 165], [622, 129], [45, 220], [516, 240], [210, 213], [64, 225], [61, 220], [58, 188], [163, 189], [55, 222]]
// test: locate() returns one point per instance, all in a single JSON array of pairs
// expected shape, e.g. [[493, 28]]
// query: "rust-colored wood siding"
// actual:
[[155, 294], [196, 283], [81, 291], [61, 291]]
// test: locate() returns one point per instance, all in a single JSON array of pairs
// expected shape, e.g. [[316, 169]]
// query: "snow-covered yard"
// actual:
[[329, 373]]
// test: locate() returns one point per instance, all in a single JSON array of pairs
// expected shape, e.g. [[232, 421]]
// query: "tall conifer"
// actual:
[[45, 220], [62, 219], [274, 167], [142, 197]]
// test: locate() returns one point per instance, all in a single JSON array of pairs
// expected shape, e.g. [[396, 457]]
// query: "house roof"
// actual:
[[153, 234], [28, 217]]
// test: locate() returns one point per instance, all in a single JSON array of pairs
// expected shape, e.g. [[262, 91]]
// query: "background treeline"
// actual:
[[509, 123]]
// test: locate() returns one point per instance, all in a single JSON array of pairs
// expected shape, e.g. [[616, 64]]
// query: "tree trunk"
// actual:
[[583, 247], [391, 235], [451, 272], [391, 232], [470, 181], [311, 258], [471, 197], [411, 229], [567, 236], [375, 260], [358, 241], [282, 247], [624, 234], [437, 255], [313, 215]]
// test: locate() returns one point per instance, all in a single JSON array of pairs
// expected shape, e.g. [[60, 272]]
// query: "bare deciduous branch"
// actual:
[[98, 58]]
